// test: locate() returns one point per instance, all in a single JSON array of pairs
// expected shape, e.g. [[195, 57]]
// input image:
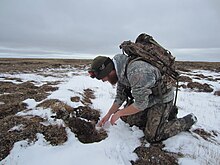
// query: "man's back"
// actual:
[[141, 77]]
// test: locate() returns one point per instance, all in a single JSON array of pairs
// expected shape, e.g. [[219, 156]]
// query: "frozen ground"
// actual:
[[118, 147]]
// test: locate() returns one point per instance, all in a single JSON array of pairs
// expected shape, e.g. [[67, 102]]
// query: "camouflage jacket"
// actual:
[[141, 77]]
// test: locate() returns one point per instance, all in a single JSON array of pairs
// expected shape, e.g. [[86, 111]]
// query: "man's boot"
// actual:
[[190, 119]]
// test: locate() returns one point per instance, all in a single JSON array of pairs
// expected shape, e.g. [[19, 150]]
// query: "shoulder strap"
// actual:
[[130, 60]]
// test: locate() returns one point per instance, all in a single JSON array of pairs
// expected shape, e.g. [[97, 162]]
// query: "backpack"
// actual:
[[147, 49]]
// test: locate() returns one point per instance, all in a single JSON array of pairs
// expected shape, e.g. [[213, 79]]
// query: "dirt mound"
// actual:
[[207, 135], [81, 120], [199, 87], [196, 86], [185, 79], [56, 105], [217, 93], [87, 96], [154, 155], [10, 108], [13, 94], [17, 128], [85, 131]]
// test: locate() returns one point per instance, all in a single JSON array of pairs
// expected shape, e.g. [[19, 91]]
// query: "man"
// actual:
[[148, 111]]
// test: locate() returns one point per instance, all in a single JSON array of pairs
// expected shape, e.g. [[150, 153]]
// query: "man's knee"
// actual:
[[138, 119], [149, 137], [152, 137]]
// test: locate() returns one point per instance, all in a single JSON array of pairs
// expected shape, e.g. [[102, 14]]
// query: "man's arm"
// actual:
[[120, 94], [112, 110], [130, 110], [142, 77]]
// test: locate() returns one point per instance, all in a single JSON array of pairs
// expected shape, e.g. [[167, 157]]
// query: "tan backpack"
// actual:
[[147, 49]]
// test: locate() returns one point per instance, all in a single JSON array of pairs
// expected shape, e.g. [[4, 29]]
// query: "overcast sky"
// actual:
[[190, 28]]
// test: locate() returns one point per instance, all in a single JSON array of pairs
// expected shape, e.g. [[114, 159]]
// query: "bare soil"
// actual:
[[80, 120]]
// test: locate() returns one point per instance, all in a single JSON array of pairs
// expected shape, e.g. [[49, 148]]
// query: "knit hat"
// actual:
[[101, 66]]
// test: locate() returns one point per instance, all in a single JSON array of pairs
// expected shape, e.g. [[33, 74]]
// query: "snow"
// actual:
[[17, 128], [118, 147], [74, 152]]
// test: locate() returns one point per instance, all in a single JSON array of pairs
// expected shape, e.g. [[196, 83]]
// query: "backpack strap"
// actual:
[[130, 60]]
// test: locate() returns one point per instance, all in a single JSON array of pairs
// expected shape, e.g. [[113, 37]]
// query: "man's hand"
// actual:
[[117, 113], [115, 117], [104, 119], [112, 110], [130, 110]]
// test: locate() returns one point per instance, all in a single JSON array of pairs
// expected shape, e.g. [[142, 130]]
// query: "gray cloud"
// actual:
[[99, 26]]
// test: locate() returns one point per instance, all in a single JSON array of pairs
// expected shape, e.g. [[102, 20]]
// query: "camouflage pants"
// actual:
[[156, 122]]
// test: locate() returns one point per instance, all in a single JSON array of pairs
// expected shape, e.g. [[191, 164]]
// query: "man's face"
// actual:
[[111, 78]]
